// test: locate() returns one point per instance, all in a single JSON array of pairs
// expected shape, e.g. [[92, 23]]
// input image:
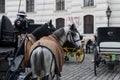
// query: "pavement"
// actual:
[[85, 70]]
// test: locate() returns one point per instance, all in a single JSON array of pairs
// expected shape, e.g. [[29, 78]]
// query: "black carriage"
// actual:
[[107, 47], [12, 48]]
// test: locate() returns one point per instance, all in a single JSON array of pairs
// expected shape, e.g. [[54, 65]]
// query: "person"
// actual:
[[89, 43], [21, 23]]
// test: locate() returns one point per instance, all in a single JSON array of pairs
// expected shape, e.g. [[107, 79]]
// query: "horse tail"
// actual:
[[37, 60]]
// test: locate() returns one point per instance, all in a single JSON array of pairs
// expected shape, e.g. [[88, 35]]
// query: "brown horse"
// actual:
[[30, 40], [46, 55], [44, 30]]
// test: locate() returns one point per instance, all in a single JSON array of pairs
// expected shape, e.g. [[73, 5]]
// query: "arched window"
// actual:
[[60, 5], [30, 5], [88, 2], [2, 6], [60, 22], [88, 24]]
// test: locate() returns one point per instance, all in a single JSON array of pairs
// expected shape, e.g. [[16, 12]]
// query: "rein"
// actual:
[[71, 38]]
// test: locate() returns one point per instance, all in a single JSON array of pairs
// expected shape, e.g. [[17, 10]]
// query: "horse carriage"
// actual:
[[107, 47], [15, 45], [71, 52], [12, 46]]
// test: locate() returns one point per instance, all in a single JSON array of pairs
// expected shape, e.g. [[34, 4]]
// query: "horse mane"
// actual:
[[59, 33], [41, 31]]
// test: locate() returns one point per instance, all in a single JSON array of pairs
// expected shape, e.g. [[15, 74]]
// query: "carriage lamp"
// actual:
[[108, 13]]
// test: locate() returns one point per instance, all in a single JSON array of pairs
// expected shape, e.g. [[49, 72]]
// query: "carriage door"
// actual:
[[60, 22], [88, 24]]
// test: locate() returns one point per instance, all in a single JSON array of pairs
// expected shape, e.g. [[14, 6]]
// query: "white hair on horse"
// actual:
[[64, 34], [47, 56]]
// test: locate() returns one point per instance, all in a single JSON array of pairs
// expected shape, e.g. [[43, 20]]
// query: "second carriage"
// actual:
[[107, 47]]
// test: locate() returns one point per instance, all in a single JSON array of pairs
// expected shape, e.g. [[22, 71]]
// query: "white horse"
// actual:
[[47, 56]]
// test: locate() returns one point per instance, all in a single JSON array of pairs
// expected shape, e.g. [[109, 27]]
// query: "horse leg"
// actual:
[[89, 50], [45, 77], [57, 77], [39, 78], [86, 49]]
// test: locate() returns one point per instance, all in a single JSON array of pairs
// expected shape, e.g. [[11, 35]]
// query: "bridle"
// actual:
[[71, 36], [72, 40]]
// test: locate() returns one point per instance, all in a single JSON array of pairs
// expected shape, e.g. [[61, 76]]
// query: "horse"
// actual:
[[44, 30], [47, 56]]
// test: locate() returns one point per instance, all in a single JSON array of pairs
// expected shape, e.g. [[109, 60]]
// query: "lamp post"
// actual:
[[108, 13]]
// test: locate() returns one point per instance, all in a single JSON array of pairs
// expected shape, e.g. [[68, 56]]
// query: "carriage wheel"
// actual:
[[95, 61], [80, 55], [65, 49]]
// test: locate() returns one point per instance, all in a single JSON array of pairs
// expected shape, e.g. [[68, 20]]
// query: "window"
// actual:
[[2, 6], [88, 24], [29, 5], [60, 5], [60, 22], [88, 2]]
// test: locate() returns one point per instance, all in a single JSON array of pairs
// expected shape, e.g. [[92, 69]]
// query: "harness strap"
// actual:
[[73, 38], [50, 70]]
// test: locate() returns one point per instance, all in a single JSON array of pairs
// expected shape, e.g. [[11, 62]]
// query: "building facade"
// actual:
[[86, 14]]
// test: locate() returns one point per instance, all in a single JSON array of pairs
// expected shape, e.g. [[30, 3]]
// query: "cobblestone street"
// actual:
[[85, 71]]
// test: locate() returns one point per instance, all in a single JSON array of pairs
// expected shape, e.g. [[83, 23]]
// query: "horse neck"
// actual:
[[63, 38]]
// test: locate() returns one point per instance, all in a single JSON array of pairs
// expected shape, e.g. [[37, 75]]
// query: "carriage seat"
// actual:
[[108, 39], [110, 47]]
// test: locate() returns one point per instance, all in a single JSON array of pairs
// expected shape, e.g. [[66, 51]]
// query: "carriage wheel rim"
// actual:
[[80, 56]]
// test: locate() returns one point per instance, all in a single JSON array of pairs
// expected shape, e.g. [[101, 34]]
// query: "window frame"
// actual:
[[88, 3], [60, 5], [88, 24], [30, 8], [2, 6], [60, 22]]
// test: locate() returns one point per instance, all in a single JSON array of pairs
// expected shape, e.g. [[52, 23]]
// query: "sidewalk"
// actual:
[[85, 71]]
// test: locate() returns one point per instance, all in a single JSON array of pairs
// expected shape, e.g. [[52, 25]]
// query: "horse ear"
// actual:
[[50, 22], [73, 27], [51, 26]]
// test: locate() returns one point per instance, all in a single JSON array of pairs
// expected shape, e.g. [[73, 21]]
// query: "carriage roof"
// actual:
[[5, 25], [108, 34]]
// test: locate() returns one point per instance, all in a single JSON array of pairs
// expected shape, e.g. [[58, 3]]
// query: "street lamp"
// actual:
[[108, 13]]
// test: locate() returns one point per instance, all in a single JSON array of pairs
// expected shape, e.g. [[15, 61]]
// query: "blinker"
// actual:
[[73, 33]]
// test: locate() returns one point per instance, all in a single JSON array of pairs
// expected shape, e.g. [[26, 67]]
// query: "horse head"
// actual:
[[74, 37], [70, 34], [44, 30], [51, 26]]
